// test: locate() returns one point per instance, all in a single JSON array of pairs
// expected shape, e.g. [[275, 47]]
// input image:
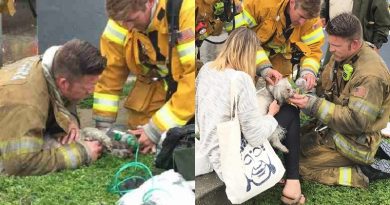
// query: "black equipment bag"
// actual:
[[178, 151]]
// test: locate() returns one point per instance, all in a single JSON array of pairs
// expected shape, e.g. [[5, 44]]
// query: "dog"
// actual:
[[279, 92], [110, 145]]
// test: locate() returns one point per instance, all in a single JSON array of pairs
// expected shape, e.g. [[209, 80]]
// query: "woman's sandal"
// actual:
[[292, 201], [282, 182]]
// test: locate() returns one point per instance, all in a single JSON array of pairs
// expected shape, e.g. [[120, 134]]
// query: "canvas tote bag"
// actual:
[[246, 170]]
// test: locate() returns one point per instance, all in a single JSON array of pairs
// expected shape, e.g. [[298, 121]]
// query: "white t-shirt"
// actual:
[[337, 7]]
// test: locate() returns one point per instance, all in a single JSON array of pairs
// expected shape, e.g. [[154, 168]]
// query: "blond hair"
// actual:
[[239, 52], [118, 10]]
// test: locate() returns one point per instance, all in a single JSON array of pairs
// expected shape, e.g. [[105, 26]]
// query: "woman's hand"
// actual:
[[273, 108]]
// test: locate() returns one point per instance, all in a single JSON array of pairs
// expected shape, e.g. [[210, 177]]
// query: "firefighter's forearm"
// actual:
[[152, 131], [263, 64], [243, 19], [42, 161], [339, 118]]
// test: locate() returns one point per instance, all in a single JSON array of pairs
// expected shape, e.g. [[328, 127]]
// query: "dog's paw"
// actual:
[[122, 153], [282, 148], [278, 145]]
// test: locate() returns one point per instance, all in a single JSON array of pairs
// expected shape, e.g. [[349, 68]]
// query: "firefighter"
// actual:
[[355, 107], [286, 29], [206, 23], [7, 6], [136, 41], [211, 15], [42, 92]]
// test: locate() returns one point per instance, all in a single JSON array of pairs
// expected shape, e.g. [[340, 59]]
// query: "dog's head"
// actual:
[[282, 90]]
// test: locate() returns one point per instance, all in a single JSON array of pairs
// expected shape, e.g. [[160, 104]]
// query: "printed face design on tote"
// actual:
[[257, 165]]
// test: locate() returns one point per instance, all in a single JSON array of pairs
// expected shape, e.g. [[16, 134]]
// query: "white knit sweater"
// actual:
[[212, 106]]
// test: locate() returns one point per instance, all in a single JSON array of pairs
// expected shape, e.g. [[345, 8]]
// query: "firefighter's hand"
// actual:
[[310, 81], [273, 76], [96, 149], [299, 100], [73, 134], [146, 145]]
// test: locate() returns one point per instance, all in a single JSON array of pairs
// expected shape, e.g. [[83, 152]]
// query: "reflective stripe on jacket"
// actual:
[[134, 52]]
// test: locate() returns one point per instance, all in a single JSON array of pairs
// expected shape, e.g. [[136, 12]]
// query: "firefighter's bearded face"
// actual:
[[77, 89], [342, 48], [140, 19], [298, 16]]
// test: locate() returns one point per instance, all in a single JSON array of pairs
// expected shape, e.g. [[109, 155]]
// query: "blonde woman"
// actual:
[[212, 106]]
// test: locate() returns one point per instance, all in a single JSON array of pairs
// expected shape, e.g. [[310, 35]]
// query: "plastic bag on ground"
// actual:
[[168, 188]]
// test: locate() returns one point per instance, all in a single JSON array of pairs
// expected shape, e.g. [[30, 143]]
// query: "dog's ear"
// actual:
[[281, 91], [276, 91], [278, 95], [270, 88]]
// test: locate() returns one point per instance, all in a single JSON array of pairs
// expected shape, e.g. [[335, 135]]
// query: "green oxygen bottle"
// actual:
[[126, 138]]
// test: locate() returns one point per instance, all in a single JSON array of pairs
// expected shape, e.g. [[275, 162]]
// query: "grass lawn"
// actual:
[[317, 194], [87, 185]]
